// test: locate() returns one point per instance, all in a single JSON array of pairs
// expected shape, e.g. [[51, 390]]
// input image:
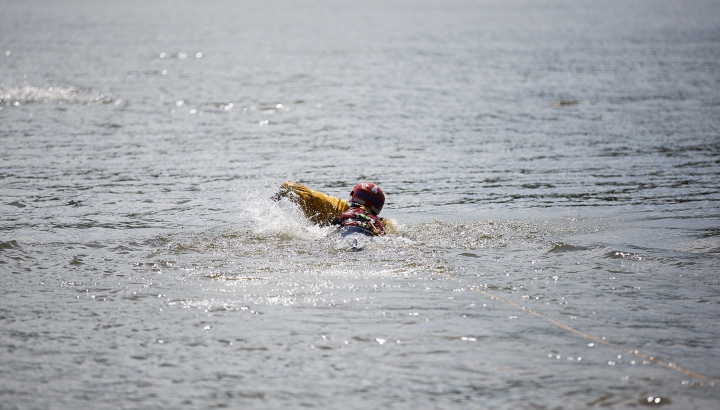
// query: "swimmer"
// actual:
[[358, 215]]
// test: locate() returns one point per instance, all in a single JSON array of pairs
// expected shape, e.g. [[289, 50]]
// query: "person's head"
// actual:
[[368, 195]]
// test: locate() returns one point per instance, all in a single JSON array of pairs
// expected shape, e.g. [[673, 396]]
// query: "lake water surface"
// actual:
[[563, 156]]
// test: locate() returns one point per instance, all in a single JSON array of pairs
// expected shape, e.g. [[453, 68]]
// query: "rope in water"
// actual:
[[560, 324]]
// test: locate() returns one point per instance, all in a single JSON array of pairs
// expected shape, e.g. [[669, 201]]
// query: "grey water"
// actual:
[[561, 155]]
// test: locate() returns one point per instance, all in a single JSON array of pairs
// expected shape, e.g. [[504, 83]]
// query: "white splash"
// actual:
[[282, 218], [28, 94]]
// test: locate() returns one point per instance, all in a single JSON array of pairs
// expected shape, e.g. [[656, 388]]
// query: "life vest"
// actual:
[[358, 215]]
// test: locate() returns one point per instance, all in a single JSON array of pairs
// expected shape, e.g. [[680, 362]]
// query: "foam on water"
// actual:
[[14, 96], [500, 233], [279, 219]]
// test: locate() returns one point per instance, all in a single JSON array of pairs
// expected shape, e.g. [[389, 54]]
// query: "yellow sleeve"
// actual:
[[318, 207]]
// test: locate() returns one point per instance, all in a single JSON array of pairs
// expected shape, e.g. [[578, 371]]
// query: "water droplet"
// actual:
[[381, 341], [164, 72], [198, 55]]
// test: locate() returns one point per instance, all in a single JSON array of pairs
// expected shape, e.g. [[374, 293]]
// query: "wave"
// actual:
[[16, 96]]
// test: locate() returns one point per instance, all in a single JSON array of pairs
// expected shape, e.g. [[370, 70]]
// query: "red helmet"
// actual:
[[370, 195]]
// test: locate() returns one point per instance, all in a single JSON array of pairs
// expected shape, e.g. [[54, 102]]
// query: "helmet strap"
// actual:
[[363, 207]]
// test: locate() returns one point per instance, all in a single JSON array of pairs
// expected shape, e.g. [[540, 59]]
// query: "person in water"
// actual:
[[358, 215], [366, 202]]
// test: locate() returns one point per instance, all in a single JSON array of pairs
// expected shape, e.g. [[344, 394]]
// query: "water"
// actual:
[[560, 155]]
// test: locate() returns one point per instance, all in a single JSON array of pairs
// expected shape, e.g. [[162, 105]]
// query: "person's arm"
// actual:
[[318, 207]]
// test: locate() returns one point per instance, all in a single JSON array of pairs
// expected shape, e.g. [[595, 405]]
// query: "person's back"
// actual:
[[366, 201]]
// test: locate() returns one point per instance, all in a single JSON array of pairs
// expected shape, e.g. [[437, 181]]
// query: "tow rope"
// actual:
[[561, 325]]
